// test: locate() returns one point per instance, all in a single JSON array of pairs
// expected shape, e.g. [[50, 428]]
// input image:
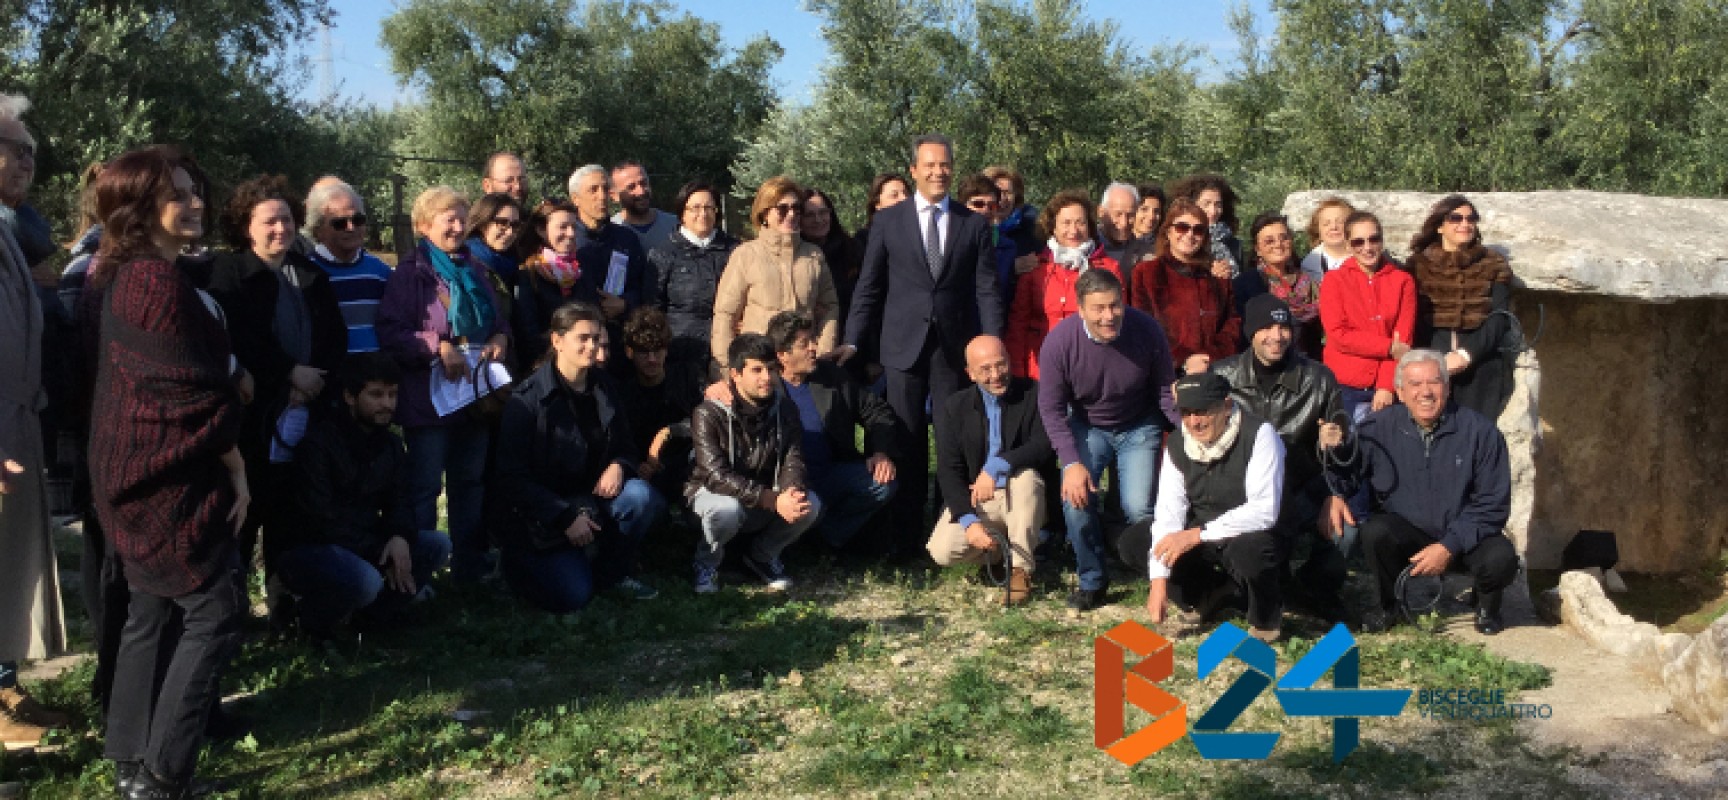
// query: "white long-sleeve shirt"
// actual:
[[1264, 482]]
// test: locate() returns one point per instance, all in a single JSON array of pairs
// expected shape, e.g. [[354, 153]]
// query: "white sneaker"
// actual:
[[771, 572]]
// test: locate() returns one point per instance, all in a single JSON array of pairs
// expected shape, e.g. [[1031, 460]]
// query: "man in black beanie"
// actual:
[[1214, 527], [1300, 398]]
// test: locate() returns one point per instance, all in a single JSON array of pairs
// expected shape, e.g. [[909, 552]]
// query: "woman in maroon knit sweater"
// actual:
[[167, 477], [1178, 289]]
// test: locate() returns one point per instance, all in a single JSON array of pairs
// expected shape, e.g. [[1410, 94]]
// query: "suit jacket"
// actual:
[[895, 287], [962, 443], [844, 405]]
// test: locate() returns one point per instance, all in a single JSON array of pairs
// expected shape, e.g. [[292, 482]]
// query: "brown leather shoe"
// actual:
[[1019, 587], [17, 734], [25, 708]]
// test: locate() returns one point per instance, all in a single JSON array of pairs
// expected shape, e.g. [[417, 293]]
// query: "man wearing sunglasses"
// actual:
[[928, 283], [336, 222]]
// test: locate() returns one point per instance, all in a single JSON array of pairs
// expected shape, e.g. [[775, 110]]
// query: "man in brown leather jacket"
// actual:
[[749, 471]]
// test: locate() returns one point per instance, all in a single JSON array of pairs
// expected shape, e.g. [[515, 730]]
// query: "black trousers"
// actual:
[[1319, 582], [172, 654], [106, 597], [932, 378], [1389, 540], [1252, 561]]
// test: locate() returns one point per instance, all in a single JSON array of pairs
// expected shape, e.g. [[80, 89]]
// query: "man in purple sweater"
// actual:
[[1104, 393]]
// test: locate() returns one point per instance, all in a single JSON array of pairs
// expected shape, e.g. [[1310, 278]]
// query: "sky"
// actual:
[[360, 69]]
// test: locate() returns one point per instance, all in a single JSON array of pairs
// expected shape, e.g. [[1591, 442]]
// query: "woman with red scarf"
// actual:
[[1178, 288], [1277, 272], [1045, 296]]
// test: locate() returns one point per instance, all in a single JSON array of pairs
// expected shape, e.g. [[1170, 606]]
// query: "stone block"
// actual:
[[1586, 610], [1697, 679]]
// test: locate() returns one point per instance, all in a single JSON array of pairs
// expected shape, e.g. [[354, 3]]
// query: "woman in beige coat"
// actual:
[[776, 272]]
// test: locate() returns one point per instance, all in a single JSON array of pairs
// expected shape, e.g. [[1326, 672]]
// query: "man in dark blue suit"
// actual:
[[928, 283]]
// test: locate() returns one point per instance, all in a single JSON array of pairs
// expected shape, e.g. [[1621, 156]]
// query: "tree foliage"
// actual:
[[210, 76], [566, 84]]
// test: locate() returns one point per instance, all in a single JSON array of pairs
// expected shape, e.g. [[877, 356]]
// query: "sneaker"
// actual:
[[707, 579], [635, 589], [21, 705], [772, 572], [16, 734]]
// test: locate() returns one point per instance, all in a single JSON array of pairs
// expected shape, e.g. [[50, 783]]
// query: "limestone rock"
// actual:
[[1588, 611], [1697, 680], [1670, 645], [1548, 606], [1600, 243]]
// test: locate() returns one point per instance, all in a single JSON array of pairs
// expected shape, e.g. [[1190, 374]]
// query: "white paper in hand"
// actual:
[[616, 272], [450, 396]]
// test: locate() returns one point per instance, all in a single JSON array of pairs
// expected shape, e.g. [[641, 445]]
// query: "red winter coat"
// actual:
[[1197, 310], [1360, 312], [1042, 298]]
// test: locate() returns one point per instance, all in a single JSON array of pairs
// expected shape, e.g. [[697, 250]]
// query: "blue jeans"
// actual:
[[1357, 403], [850, 496], [1134, 451], [451, 458], [330, 582], [563, 579]]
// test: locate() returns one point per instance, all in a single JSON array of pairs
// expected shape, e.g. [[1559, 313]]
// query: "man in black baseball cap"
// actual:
[[1213, 529]]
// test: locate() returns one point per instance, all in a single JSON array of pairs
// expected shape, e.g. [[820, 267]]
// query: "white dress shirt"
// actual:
[[945, 209]]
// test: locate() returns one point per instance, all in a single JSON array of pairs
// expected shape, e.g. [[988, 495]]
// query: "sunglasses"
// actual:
[[789, 209], [1456, 218], [344, 223], [1185, 228], [980, 204], [507, 224], [1361, 242], [22, 150]]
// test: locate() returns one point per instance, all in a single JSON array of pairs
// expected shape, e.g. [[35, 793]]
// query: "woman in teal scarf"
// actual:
[[439, 308]]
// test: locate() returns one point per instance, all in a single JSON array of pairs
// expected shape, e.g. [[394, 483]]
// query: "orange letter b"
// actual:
[[1113, 682]]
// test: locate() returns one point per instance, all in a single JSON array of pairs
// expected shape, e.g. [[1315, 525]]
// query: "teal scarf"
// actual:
[[470, 310]]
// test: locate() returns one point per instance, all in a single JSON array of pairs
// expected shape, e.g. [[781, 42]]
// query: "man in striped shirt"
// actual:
[[336, 221]]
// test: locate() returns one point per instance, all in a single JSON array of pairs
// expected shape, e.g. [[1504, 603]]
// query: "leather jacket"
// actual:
[[752, 461], [1304, 395]]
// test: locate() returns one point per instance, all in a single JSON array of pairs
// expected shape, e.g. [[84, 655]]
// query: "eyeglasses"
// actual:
[[507, 224], [344, 223], [1280, 239], [1361, 242], [21, 150], [1456, 218], [702, 209], [1185, 228], [980, 204], [816, 211], [788, 209]]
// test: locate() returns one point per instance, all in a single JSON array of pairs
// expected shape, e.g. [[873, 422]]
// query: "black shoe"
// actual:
[[1488, 620], [126, 775], [1088, 599], [146, 786]]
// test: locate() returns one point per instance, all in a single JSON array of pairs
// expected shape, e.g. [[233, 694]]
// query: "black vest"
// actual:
[[1221, 485]]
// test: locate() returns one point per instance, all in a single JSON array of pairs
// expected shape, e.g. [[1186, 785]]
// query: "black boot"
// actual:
[[1488, 613]]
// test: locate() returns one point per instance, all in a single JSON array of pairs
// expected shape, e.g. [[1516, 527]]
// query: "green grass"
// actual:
[[865, 682]]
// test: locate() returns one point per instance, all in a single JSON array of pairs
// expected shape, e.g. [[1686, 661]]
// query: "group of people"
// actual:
[[283, 403]]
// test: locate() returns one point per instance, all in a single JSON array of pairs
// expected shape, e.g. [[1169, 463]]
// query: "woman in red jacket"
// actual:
[[1368, 308], [1178, 289], [1045, 296]]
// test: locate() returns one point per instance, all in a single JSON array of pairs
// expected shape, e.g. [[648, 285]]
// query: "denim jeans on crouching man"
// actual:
[[1134, 449]]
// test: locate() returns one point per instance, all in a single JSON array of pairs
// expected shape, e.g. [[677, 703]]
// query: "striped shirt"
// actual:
[[359, 285]]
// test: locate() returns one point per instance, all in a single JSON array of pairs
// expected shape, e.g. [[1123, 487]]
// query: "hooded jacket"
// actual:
[[751, 456]]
